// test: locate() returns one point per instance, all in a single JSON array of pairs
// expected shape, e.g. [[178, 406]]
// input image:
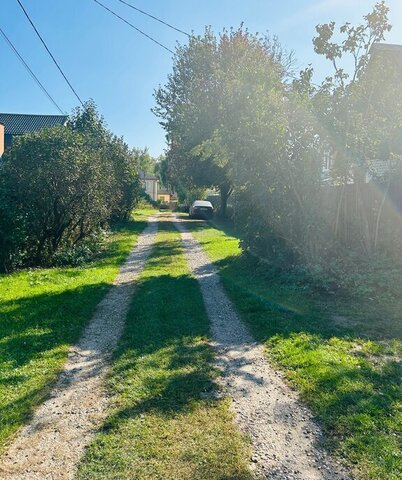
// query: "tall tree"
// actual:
[[187, 106], [342, 101], [209, 101], [360, 107]]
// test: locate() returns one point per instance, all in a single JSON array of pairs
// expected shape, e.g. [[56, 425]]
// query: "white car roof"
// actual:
[[202, 203]]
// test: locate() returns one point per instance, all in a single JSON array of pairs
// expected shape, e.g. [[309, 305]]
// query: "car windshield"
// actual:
[[202, 203]]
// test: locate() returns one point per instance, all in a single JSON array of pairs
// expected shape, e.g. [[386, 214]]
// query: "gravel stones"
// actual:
[[285, 439], [51, 445]]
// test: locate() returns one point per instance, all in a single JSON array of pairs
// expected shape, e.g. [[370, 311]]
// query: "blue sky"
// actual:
[[117, 67]]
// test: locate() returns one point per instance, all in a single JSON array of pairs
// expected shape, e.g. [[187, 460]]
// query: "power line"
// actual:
[[132, 26], [155, 18], [50, 53], [29, 70]]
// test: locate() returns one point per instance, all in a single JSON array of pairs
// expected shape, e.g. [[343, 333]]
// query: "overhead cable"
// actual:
[[154, 18], [132, 26], [28, 68], [50, 53]]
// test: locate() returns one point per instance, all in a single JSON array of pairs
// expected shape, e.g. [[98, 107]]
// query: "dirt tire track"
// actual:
[[285, 439], [52, 444]]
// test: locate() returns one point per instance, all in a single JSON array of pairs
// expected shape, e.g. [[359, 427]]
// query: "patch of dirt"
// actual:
[[344, 322], [286, 441], [382, 360], [377, 360], [52, 444]]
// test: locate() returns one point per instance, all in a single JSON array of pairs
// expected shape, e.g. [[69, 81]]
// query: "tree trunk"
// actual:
[[338, 210], [379, 214], [365, 225], [225, 190]]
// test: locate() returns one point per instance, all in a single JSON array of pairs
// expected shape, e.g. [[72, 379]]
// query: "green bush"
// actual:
[[164, 206], [60, 188], [84, 252], [55, 191], [122, 163]]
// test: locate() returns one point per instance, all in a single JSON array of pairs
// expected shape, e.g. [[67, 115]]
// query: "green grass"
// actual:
[[42, 312], [347, 371], [166, 423]]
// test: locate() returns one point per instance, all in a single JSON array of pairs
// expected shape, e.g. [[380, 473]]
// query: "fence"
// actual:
[[368, 214]]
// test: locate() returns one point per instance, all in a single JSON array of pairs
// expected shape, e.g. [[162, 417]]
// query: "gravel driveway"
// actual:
[[285, 439], [51, 445]]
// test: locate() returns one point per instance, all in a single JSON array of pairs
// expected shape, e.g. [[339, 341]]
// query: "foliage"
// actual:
[[124, 163], [60, 187], [357, 43], [235, 121], [78, 255], [341, 101], [162, 170], [11, 231], [202, 104], [194, 194], [360, 112], [146, 162], [232, 120], [127, 189], [55, 187]]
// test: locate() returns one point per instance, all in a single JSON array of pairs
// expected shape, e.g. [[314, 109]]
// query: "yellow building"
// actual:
[[164, 196]]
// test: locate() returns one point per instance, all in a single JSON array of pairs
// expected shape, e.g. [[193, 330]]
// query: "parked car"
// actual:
[[201, 209]]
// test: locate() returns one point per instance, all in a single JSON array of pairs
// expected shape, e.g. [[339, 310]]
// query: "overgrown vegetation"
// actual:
[[343, 355], [61, 189], [297, 156], [42, 312], [166, 422]]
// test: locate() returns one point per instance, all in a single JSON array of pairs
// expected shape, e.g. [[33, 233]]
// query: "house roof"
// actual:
[[20, 123], [386, 47]]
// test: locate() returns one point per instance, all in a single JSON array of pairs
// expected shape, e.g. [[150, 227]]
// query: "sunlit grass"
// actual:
[[42, 312], [166, 423], [348, 371]]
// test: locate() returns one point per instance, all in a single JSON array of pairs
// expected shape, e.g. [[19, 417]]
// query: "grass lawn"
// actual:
[[166, 423], [42, 312], [343, 355]]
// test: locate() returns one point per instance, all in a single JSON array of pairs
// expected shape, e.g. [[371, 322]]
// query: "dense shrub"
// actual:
[[126, 189], [11, 231], [55, 191], [123, 163], [60, 188], [81, 253]]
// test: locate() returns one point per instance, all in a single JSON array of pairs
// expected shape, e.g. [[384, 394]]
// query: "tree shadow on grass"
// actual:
[[38, 322], [304, 339], [34, 340], [166, 252], [163, 370], [355, 396], [296, 310], [41, 323], [37, 330], [259, 285]]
